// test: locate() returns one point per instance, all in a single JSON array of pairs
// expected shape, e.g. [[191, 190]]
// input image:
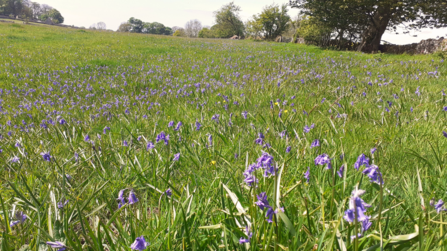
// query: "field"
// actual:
[[216, 145]]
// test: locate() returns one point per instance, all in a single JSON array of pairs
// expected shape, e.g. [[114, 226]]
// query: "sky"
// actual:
[[178, 12]]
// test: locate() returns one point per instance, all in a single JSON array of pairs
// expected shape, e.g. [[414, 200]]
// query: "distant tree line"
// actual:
[[137, 26], [26, 9]]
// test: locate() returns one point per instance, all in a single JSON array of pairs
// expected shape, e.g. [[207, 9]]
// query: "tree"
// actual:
[[366, 21], [101, 26], [13, 7], [136, 25], [228, 22], [36, 10], [206, 33], [192, 28], [253, 27], [124, 27], [314, 32], [179, 33], [274, 20], [56, 16]]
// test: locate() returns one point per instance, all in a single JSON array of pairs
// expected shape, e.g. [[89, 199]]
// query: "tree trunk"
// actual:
[[372, 36]]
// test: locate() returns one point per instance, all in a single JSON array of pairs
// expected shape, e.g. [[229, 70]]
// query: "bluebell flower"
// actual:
[[361, 160], [177, 127], [57, 244], [358, 207], [315, 143], [61, 205], [171, 123], [249, 235], [125, 143], [322, 160], [210, 139], [373, 150], [288, 149], [168, 192], [374, 174], [121, 198], [87, 138], [46, 156], [266, 162], [444, 133], [62, 122], [176, 157], [139, 244], [132, 198], [150, 145], [340, 171], [15, 159], [198, 125], [307, 174], [104, 131], [439, 206], [20, 218], [215, 117], [263, 203]]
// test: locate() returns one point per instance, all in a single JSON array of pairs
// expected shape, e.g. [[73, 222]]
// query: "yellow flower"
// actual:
[[224, 101], [276, 103], [285, 111], [213, 162]]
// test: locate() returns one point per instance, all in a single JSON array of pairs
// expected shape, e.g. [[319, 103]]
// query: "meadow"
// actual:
[[112, 141]]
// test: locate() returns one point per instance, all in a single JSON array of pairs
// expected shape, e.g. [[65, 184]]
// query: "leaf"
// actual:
[[404, 238], [287, 222], [235, 200], [218, 226]]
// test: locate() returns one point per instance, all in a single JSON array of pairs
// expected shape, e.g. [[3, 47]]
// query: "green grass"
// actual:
[[53, 73]]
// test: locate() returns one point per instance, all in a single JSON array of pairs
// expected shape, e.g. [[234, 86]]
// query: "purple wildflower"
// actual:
[[46, 156], [374, 174], [171, 123], [198, 125], [177, 127], [361, 160], [150, 145], [315, 143], [439, 206], [340, 171], [168, 192], [139, 244], [57, 244], [307, 174], [20, 218], [288, 149], [132, 198], [176, 157]]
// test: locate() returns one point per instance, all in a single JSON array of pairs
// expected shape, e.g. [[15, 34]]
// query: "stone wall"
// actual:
[[424, 47]]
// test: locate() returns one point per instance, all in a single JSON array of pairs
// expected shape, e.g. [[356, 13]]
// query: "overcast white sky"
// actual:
[[178, 12]]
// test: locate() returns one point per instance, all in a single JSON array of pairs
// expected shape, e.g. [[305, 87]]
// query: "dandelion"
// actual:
[[139, 244], [213, 162]]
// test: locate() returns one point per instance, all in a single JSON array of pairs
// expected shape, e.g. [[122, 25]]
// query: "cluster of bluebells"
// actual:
[[132, 198], [264, 162], [371, 170], [263, 204], [357, 211]]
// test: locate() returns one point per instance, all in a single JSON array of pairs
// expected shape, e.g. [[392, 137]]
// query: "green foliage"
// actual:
[[56, 16], [179, 33], [98, 79], [273, 19], [137, 26], [313, 31], [228, 22], [206, 33]]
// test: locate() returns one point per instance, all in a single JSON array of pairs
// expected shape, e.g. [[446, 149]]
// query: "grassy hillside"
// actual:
[[106, 137]]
